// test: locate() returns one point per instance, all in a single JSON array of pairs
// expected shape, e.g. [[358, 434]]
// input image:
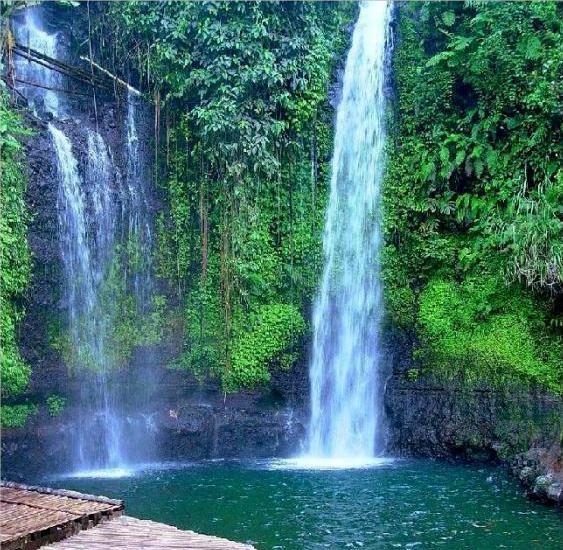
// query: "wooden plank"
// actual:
[[52, 502], [32, 517], [38, 520], [14, 513]]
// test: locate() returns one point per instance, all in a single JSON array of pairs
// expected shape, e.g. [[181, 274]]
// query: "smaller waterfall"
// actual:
[[75, 252], [346, 362], [139, 231], [105, 237]]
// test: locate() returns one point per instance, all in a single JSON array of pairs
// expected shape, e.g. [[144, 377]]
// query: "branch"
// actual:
[[37, 85], [29, 53], [112, 76], [60, 68]]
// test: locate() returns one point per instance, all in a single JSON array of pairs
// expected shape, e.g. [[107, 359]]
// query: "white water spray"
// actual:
[[344, 370]]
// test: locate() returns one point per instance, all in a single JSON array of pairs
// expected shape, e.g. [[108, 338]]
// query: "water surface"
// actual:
[[402, 504]]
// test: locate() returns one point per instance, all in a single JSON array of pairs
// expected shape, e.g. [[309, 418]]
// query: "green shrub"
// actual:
[[15, 416], [55, 404], [267, 343], [15, 259]]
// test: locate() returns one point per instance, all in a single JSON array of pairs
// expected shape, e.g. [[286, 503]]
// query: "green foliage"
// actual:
[[205, 349], [243, 89], [480, 329], [15, 416], [15, 259], [412, 375], [473, 180], [55, 404], [474, 185], [478, 107], [268, 342]]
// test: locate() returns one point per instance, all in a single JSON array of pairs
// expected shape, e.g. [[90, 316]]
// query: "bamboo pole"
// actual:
[[110, 75]]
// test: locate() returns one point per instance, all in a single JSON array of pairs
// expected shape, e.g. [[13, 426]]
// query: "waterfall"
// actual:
[[346, 358], [31, 34], [86, 259], [104, 226]]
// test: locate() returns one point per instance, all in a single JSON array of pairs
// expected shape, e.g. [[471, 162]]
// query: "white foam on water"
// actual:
[[323, 463], [124, 472], [102, 473]]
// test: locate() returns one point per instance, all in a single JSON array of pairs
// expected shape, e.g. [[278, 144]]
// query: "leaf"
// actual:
[[533, 48], [459, 157], [437, 59], [478, 164], [444, 155], [448, 18]]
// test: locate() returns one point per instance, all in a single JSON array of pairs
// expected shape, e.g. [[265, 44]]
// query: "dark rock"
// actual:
[[240, 426], [428, 417], [540, 471]]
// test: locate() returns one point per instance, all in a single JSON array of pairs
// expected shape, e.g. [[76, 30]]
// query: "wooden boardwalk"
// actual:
[[31, 517], [127, 533]]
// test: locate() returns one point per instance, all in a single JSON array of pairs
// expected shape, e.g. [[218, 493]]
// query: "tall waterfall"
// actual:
[[344, 369]]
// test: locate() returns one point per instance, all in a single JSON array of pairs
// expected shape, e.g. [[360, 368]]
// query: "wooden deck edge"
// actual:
[[62, 493], [32, 541]]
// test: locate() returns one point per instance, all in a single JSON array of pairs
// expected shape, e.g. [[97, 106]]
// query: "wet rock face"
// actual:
[[42, 298], [429, 418], [540, 470], [194, 427], [45, 305], [196, 431]]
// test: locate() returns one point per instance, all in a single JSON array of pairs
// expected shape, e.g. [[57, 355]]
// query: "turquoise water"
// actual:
[[402, 504]]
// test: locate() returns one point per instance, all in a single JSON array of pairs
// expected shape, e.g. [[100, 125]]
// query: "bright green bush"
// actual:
[[15, 416], [268, 342], [481, 330]]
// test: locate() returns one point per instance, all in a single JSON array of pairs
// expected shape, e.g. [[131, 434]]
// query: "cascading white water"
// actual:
[[86, 260], [139, 231], [113, 427], [344, 369]]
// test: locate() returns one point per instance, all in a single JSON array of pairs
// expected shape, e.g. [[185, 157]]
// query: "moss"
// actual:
[[481, 329]]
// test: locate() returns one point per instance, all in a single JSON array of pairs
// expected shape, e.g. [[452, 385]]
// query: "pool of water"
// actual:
[[287, 505]]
